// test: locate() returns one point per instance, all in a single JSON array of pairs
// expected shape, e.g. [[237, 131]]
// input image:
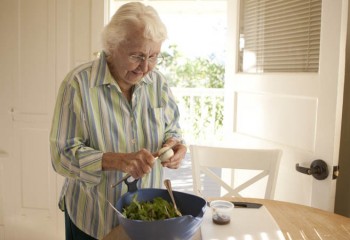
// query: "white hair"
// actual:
[[129, 17]]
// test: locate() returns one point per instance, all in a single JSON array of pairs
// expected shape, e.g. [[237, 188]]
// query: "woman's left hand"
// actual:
[[179, 154]]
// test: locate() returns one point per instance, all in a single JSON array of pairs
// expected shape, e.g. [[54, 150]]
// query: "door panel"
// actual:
[[34, 64], [298, 112], [298, 132], [35, 188]]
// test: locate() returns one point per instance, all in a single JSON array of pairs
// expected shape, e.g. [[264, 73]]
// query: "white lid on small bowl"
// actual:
[[222, 205]]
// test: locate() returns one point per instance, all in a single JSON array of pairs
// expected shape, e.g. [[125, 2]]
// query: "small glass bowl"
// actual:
[[221, 211]]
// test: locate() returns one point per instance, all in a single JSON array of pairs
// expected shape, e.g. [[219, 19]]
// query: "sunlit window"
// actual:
[[197, 28], [194, 67], [194, 61]]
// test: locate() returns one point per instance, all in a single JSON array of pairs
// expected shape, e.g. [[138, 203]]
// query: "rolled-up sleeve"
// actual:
[[71, 155]]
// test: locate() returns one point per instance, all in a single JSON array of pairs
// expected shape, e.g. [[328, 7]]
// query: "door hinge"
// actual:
[[335, 172]]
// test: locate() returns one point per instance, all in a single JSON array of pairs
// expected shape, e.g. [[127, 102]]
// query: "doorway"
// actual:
[[342, 196], [196, 43]]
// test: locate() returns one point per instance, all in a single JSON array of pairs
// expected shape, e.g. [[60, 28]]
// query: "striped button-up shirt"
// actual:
[[93, 117]]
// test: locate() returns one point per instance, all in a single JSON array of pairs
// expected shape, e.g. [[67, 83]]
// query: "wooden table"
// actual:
[[296, 222]]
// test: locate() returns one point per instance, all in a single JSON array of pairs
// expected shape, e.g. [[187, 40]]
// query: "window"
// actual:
[[196, 27], [194, 61], [279, 36], [197, 44]]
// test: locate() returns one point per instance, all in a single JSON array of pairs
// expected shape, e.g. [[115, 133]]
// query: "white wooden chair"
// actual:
[[265, 161]]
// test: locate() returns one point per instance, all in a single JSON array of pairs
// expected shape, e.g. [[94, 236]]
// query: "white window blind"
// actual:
[[279, 36]]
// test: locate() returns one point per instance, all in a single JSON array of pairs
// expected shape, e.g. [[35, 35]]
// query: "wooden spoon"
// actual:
[[167, 184]]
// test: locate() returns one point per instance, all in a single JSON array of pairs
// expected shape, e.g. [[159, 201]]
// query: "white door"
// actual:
[[298, 112], [41, 40], [28, 83]]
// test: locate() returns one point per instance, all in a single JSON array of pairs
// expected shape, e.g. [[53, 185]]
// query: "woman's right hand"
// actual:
[[137, 164]]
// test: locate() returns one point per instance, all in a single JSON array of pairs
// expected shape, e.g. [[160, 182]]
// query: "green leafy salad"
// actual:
[[158, 209]]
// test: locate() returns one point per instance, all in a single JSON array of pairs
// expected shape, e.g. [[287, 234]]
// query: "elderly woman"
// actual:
[[112, 115]]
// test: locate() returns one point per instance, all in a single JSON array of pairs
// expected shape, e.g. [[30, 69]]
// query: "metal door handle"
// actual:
[[318, 169]]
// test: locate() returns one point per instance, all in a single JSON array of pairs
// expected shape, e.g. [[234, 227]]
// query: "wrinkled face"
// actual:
[[133, 59]]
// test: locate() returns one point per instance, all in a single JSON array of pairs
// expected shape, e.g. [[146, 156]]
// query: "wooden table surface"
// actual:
[[295, 221]]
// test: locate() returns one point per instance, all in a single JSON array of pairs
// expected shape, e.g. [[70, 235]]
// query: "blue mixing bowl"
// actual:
[[180, 228]]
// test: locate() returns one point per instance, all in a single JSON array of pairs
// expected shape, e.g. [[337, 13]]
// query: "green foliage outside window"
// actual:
[[205, 115], [191, 73]]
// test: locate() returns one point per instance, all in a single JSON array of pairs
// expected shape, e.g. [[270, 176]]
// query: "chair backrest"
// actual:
[[265, 160]]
